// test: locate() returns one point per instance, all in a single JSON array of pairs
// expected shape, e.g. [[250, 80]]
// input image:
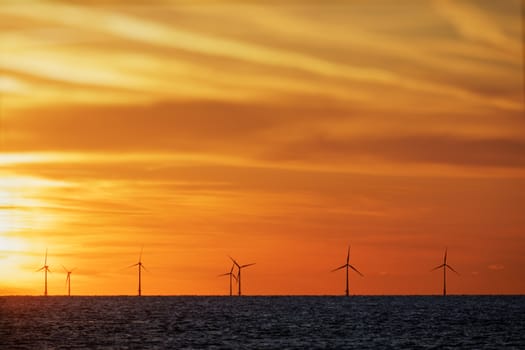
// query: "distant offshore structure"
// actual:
[[239, 268], [140, 267], [237, 276], [68, 279], [347, 265], [444, 266], [232, 275], [46, 270]]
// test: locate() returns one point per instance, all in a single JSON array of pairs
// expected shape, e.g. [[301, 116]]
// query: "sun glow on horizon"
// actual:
[[397, 129]]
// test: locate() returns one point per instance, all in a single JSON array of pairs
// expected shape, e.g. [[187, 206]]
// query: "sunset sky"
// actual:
[[277, 132]]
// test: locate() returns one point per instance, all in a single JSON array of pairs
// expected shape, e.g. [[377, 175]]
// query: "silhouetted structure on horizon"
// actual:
[[46, 270], [444, 266], [231, 276], [347, 265], [68, 280], [140, 267], [239, 268]]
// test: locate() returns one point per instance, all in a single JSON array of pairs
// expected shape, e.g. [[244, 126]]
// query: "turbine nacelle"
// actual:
[[45, 268], [229, 273]]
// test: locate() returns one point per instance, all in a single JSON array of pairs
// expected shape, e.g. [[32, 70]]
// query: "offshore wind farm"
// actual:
[[237, 276], [255, 321], [325, 124], [189, 173]]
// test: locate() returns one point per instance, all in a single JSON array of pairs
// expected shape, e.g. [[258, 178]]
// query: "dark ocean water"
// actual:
[[359, 322]]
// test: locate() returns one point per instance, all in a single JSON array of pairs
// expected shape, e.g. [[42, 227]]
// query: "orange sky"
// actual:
[[277, 133]]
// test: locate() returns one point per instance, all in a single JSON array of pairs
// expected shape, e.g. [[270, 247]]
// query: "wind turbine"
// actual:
[[46, 270], [239, 268], [231, 276], [68, 280], [347, 265], [140, 267], [444, 266]]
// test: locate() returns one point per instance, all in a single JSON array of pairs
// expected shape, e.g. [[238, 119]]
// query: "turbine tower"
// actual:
[[46, 270], [232, 275], [140, 267], [68, 280], [347, 265], [444, 266], [239, 268]]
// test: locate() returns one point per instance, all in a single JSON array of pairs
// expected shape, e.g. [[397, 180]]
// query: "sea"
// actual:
[[263, 322]]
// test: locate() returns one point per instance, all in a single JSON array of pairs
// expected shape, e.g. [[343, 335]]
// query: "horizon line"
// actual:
[[256, 295]]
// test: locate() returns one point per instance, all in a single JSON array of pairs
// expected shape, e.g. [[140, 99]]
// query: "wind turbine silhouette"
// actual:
[[239, 268], [231, 276], [140, 267], [444, 266], [347, 265], [68, 280], [46, 270]]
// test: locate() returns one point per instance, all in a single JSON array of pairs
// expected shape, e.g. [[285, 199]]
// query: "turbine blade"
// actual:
[[438, 267], [353, 268], [224, 274], [45, 260], [64, 268], [445, 257], [339, 268], [235, 262], [348, 255], [40, 269], [233, 266], [133, 265], [450, 267], [235, 277], [48, 270], [246, 265], [144, 267]]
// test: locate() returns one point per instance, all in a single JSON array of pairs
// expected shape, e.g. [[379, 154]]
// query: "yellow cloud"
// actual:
[[476, 25], [146, 32]]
